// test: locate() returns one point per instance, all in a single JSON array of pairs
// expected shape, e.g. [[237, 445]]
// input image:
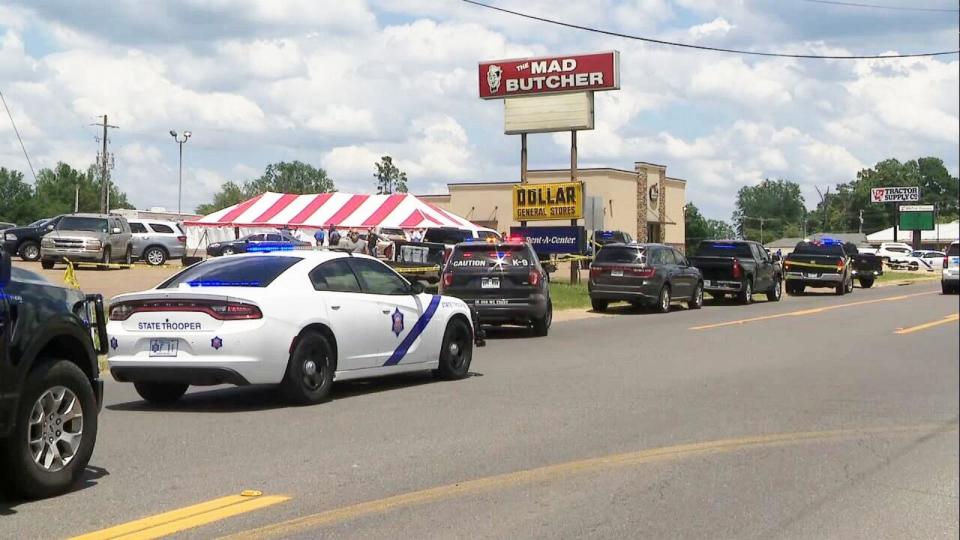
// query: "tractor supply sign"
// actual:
[[550, 75], [534, 202], [550, 240], [895, 194]]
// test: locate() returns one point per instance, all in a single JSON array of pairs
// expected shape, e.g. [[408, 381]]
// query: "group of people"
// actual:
[[351, 240]]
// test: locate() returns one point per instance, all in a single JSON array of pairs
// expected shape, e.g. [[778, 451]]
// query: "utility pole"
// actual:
[[104, 163], [180, 142], [860, 230]]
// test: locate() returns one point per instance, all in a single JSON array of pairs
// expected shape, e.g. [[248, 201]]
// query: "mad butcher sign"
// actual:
[[550, 75]]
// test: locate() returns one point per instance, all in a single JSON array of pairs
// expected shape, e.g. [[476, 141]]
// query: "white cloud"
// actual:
[[714, 28]]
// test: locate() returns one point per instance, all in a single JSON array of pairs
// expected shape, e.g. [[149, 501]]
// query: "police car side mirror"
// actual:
[[416, 288], [5, 265]]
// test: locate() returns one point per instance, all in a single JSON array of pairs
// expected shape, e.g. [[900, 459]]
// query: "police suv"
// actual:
[[299, 319]]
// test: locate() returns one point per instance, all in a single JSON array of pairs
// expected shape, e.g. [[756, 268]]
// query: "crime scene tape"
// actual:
[[812, 265], [417, 269]]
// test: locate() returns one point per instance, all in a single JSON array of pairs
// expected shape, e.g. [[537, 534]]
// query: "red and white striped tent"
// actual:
[[343, 210]]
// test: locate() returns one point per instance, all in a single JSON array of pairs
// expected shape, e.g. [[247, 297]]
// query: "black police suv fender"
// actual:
[[50, 387]]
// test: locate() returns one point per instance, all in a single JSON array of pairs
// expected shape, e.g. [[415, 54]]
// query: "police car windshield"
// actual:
[[257, 271], [487, 257], [723, 249], [620, 255]]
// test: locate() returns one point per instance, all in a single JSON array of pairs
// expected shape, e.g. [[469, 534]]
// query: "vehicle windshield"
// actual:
[[87, 224], [486, 235], [447, 236], [620, 255], [492, 257], [723, 249], [953, 250], [805, 248], [245, 271]]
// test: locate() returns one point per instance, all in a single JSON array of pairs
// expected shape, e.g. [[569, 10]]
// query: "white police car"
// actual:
[[300, 319]]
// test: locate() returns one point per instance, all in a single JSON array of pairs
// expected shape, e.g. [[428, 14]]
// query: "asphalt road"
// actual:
[[807, 418]]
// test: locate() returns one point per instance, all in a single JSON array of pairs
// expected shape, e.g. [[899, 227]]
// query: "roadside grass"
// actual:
[[567, 296], [900, 276]]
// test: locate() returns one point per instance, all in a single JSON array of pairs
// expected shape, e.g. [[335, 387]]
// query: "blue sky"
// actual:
[[339, 84]]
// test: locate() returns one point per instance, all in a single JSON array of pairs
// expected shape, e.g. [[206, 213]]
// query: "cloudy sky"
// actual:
[[340, 83]]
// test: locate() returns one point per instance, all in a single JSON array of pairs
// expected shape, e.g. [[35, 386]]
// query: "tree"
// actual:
[[16, 198], [769, 210], [389, 177], [700, 228], [56, 191], [282, 177]]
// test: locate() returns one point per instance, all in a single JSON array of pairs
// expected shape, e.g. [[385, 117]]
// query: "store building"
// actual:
[[645, 202]]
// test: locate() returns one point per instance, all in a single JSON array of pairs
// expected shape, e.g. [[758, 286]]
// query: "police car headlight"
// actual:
[[11, 237]]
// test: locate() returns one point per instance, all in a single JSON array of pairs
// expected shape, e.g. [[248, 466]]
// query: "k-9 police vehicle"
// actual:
[[300, 319]]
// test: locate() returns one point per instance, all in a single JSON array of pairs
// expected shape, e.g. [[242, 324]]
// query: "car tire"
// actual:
[[541, 326], [663, 300], [106, 259], [29, 251], [227, 251], [776, 291], [746, 292], [128, 256], [696, 301], [155, 256], [46, 264], [841, 289], [309, 376], [850, 286], [599, 305], [22, 474], [456, 352], [866, 283], [160, 393]]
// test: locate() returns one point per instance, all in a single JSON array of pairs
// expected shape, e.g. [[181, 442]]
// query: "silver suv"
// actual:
[[156, 241], [88, 238]]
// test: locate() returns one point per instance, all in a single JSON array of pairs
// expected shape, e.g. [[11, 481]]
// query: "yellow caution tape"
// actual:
[[417, 269], [69, 276], [811, 265]]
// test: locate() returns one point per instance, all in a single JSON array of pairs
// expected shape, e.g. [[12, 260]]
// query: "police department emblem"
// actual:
[[397, 318], [113, 343], [216, 343]]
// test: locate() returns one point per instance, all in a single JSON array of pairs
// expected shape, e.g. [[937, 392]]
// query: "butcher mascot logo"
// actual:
[[878, 194], [494, 74]]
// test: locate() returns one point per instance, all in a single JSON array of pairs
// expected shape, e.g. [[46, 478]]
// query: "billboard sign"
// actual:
[[895, 194], [553, 240], [536, 202], [549, 75]]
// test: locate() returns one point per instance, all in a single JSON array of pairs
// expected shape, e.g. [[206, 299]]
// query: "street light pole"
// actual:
[[180, 142]]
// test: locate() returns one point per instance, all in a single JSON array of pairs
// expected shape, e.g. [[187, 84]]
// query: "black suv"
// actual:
[[25, 241], [503, 282], [50, 387]]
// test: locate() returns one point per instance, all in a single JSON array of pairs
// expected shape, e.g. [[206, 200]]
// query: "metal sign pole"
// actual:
[[523, 165], [574, 265]]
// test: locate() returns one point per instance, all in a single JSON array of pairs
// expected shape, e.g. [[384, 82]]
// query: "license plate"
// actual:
[[496, 302], [163, 347], [490, 283], [812, 274], [616, 273]]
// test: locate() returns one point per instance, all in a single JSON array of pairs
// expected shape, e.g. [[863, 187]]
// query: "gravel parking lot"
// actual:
[[110, 282]]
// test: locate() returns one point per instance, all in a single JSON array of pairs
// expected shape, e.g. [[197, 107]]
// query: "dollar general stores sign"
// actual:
[[535, 202]]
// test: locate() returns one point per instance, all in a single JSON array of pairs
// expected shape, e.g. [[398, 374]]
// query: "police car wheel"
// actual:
[[54, 434], [160, 393], [456, 351], [541, 326], [227, 251], [309, 376], [866, 283]]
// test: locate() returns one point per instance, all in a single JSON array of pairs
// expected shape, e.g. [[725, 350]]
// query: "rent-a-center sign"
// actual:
[[550, 75]]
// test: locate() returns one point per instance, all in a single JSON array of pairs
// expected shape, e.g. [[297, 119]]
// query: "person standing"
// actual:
[[319, 236], [333, 236], [417, 236], [372, 242]]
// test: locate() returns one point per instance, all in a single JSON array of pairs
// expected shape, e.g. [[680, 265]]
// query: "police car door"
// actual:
[[402, 318], [348, 312]]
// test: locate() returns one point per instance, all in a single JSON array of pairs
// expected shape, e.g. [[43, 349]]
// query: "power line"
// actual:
[[17, 131], [704, 47], [878, 6]]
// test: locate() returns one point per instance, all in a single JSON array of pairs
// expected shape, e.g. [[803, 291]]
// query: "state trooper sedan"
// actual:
[[300, 319]]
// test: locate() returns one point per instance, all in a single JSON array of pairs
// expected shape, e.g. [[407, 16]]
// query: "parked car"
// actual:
[[602, 238], [818, 264], [950, 277], [653, 275], [503, 281], [925, 260], [864, 267], [49, 381], [739, 268], [255, 242], [155, 241], [893, 251], [25, 241], [87, 238]]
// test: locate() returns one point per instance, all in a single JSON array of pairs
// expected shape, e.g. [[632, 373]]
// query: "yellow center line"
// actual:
[[185, 518], [553, 472], [948, 319], [808, 311]]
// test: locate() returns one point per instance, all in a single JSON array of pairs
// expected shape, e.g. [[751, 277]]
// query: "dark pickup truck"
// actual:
[[50, 387], [821, 264], [25, 241], [865, 267], [739, 268]]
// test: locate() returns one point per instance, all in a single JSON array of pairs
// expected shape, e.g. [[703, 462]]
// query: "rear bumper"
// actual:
[[866, 273], [194, 376], [950, 275], [816, 280], [714, 285], [508, 309], [647, 292]]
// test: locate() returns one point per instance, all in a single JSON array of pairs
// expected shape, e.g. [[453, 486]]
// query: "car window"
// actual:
[[376, 278], [620, 255], [255, 238], [806, 248], [656, 257], [681, 260], [933, 255], [487, 235], [953, 250], [138, 228], [160, 228], [274, 238], [334, 276], [447, 236], [259, 271], [723, 249], [88, 224]]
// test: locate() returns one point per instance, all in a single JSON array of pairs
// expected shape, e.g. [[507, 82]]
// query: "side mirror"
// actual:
[[49, 227], [416, 288], [5, 264], [116, 230]]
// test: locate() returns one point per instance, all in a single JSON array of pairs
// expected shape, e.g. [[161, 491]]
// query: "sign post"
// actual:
[[917, 218]]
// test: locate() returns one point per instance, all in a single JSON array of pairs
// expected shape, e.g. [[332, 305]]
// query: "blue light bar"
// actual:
[[723, 246], [267, 248]]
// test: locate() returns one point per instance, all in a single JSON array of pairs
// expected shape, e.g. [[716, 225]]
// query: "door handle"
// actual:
[[334, 307]]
